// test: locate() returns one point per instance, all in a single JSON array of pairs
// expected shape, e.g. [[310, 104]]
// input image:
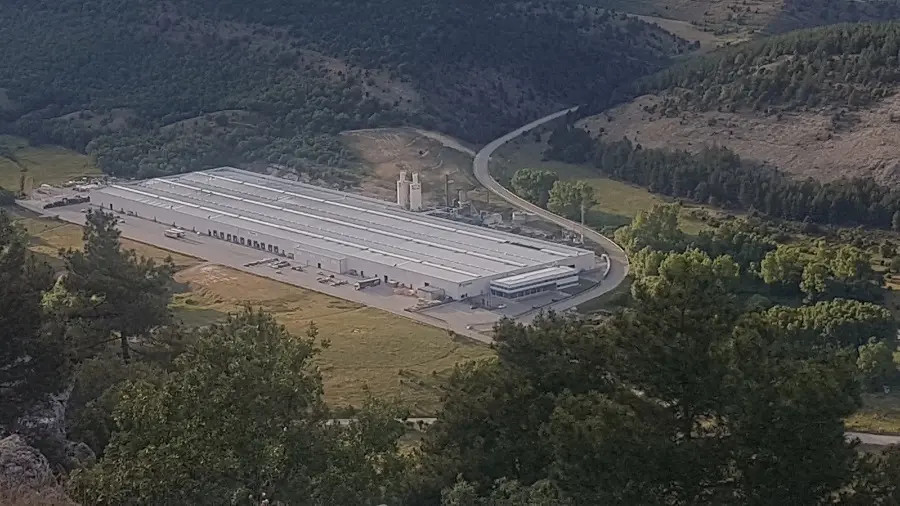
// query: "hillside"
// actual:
[[227, 82], [818, 103], [743, 18]]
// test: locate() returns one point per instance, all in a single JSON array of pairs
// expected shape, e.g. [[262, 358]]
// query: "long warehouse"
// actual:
[[344, 233]]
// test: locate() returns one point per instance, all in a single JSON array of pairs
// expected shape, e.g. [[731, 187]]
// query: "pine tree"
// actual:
[[32, 360]]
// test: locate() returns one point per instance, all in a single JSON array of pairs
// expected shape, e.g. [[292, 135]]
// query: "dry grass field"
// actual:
[[389, 356], [370, 351], [46, 164], [49, 236]]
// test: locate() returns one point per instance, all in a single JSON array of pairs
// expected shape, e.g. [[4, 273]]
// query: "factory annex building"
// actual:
[[346, 233]]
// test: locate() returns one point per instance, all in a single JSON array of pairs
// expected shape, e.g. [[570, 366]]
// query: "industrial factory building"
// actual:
[[350, 234]]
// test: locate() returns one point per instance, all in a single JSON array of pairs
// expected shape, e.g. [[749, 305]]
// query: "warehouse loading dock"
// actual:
[[339, 232]]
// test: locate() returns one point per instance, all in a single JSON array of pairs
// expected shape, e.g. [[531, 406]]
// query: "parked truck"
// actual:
[[366, 283], [174, 233]]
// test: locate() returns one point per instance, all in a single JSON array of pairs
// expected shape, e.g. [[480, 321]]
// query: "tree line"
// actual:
[[687, 396], [846, 65], [833, 285], [719, 177]]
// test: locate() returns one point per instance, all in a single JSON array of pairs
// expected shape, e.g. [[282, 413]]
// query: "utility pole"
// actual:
[[582, 222]]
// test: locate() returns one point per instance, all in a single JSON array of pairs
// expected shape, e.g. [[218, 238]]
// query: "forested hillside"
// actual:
[[797, 14], [166, 87], [801, 126], [835, 66]]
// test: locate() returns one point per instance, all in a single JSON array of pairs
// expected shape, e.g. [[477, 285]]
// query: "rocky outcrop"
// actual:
[[44, 427], [22, 465]]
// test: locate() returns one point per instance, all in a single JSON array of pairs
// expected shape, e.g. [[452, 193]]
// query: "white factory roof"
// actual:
[[529, 278], [344, 224]]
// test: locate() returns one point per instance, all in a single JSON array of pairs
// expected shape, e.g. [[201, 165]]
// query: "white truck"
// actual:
[[365, 283], [174, 233]]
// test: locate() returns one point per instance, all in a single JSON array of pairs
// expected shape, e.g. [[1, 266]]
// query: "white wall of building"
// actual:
[[313, 257]]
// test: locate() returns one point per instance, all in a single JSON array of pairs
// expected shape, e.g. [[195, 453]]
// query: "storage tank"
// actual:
[[415, 194], [403, 191]]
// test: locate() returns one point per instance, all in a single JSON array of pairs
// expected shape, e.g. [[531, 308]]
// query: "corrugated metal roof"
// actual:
[[345, 223], [529, 278]]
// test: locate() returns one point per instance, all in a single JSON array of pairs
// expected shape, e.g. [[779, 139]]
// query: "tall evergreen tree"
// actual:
[[120, 296], [33, 358]]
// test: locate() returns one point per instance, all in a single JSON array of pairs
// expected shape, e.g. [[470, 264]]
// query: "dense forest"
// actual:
[[689, 395], [226, 82], [717, 176], [835, 66]]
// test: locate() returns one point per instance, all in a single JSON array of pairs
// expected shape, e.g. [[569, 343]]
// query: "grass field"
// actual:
[[46, 164], [393, 357], [373, 351], [880, 414], [617, 202], [49, 236]]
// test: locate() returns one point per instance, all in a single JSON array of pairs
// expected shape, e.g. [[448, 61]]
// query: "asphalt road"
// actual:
[[617, 258], [873, 439]]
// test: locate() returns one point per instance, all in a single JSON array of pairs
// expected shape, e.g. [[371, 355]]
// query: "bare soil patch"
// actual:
[[805, 144], [385, 152]]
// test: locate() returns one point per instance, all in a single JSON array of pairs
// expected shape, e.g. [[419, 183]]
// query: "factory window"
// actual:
[[229, 237], [208, 232], [256, 244], [269, 248], [216, 234], [274, 249], [319, 265], [242, 240]]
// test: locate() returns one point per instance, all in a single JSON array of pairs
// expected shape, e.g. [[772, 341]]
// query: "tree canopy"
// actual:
[[681, 399], [119, 295], [534, 185], [240, 416], [33, 355], [219, 83]]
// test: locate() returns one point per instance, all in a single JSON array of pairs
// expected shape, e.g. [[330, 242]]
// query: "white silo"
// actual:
[[415, 194], [403, 191]]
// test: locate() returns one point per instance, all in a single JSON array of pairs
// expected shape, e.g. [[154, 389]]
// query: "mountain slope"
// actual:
[[152, 88], [818, 103]]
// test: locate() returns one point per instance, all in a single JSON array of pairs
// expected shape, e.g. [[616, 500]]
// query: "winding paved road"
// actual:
[[617, 258]]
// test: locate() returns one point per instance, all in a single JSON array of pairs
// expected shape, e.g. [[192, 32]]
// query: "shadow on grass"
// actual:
[[602, 220], [192, 314], [609, 301]]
